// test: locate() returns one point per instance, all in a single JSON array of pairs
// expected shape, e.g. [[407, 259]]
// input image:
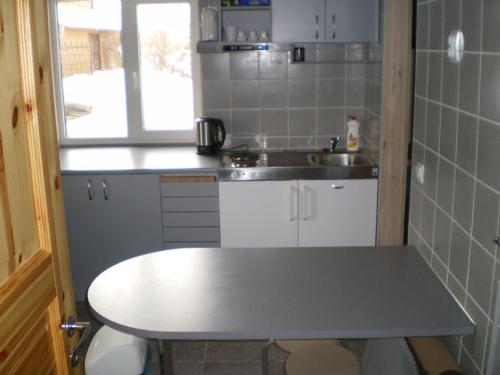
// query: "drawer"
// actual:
[[191, 219], [194, 204], [183, 245], [189, 186], [191, 234]]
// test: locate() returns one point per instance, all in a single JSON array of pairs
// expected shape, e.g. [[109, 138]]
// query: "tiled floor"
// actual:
[[220, 357]]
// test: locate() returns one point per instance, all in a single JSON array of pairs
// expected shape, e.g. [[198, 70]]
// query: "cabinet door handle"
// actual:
[[496, 240], [334, 27], [90, 190], [317, 26], [105, 189], [293, 203], [337, 187], [304, 199]]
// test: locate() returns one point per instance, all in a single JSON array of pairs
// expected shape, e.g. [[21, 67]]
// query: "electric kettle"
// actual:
[[210, 135]]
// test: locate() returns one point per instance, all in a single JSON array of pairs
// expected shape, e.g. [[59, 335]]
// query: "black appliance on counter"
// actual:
[[210, 135]]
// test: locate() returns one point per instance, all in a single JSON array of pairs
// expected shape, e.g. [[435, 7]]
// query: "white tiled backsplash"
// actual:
[[268, 102]]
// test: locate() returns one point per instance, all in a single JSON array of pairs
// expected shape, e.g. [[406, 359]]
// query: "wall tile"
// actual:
[[435, 75], [436, 25], [331, 121], [471, 19], [417, 159], [302, 70], [490, 87], [303, 142], [480, 276], [450, 82], [415, 206], [468, 365], [332, 70], [216, 94], [459, 253], [433, 125], [469, 83], [274, 122], [273, 94], [430, 179], [429, 213], [439, 268], [423, 26], [273, 65], [245, 123], [467, 142], [331, 93], [448, 133], [302, 92], [446, 183], [355, 92], [459, 292], [496, 279], [476, 343], [421, 73], [244, 94], [491, 26], [244, 65], [442, 234], [451, 19], [463, 196], [215, 66], [486, 213], [302, 122], [488, 159], [419, 119]]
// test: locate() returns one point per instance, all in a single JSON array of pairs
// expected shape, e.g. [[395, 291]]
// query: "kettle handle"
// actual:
[[220, 125]]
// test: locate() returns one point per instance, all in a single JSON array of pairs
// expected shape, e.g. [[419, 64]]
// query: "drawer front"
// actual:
[[183, 245], [201, 189], [195, 204], [191, 234], [191, 219]]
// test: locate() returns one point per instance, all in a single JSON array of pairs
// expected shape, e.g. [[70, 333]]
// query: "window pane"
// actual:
[[165, 59], [93, 79]]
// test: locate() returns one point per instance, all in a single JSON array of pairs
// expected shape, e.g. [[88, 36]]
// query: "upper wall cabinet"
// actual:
[[344, 21]]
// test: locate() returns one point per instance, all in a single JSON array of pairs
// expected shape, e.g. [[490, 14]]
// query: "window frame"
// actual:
[[131, 66]]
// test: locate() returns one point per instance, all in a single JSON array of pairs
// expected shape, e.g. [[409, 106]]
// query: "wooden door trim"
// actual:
[[396, 93]]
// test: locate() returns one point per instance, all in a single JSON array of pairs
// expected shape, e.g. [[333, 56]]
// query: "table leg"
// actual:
[[166, 363], [265, 357]]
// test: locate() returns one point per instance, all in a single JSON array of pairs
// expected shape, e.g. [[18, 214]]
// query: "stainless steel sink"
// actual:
[[336, 160]]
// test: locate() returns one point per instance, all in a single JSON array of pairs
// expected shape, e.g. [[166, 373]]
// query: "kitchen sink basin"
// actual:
[[336, 160]]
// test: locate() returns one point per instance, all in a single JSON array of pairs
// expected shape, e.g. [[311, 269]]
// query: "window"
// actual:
[[126, 70]]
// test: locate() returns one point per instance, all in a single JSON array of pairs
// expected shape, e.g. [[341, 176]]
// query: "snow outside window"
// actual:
[[126, 70]]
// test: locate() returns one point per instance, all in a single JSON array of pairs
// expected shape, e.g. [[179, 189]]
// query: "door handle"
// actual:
[[293, 203], [304, 199], [334, 27], [70, 327], [317, 26], [90, 190], [105, 189], [337, 187], [496, 240]]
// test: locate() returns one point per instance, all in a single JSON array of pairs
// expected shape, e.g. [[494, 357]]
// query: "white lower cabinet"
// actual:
[[298, 213]]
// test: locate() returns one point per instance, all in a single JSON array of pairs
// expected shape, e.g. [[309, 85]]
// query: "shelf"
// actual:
[[246, 8], [218, 47]]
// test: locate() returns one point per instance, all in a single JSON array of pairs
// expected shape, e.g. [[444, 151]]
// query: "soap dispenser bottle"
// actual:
[[352, 133]]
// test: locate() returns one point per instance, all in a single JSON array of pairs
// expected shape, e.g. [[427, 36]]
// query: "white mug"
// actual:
[[242, 36], [230, 32], [263, 36], [252, 36]]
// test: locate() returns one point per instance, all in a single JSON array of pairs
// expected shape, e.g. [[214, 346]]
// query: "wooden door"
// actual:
[[337, 212], [35, 280], [258, 213]]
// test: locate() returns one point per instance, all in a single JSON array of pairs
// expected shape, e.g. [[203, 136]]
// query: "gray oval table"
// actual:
[[277, 293]]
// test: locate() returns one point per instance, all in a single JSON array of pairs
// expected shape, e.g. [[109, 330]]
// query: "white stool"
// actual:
[[322, 359]]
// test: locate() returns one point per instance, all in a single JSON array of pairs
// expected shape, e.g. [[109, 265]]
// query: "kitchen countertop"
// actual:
[[135, 159]]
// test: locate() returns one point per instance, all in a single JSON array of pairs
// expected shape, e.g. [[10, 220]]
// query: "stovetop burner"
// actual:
[[242, 159]]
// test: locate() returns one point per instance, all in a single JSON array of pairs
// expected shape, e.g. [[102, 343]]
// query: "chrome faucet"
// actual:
[[333, 144]]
